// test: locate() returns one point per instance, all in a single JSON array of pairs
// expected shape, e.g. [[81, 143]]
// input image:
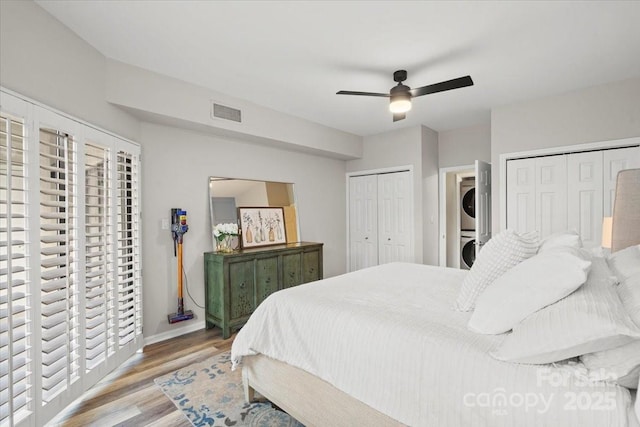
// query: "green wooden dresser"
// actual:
[[236, 283]]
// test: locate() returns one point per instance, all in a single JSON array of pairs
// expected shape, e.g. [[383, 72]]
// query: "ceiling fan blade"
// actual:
[[349, 92], [399, 116], [442, 86]]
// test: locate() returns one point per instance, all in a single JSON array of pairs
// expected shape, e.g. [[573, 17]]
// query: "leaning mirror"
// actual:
[[226, 195]]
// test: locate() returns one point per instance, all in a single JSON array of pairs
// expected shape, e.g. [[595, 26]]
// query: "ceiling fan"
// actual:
[[400, 95]]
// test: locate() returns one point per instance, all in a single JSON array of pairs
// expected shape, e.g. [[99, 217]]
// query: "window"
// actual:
[[70, 266]]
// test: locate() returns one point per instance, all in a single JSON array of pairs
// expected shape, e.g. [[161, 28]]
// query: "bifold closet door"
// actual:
[[380, 219], [394, 216], [561, 192], [521, 202], [536, 194], [584, 196], [363, 222]]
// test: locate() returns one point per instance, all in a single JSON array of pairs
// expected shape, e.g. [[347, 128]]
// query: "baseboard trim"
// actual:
[[191, 327]]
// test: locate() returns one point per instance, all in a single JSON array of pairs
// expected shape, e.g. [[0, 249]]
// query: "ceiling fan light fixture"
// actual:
[[400, 95], [400, 103]]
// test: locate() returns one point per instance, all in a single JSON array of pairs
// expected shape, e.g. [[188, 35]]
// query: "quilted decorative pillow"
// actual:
[[590, 319], [504, 251], [529, 286]]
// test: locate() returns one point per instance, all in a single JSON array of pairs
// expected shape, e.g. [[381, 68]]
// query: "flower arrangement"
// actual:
[[223, 234]]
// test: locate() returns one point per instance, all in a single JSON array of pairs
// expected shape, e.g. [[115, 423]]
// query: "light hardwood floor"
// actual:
[[129, 397]]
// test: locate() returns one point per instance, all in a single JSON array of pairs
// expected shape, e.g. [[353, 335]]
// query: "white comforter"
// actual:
[[389, 337]]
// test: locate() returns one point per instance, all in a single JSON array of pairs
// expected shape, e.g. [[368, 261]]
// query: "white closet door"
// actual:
[[613, 162], [551, 194], [394, 217], [521, 195], [584, 198], [363, 222]]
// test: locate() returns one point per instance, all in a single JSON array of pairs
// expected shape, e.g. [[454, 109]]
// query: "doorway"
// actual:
[[465, 213]]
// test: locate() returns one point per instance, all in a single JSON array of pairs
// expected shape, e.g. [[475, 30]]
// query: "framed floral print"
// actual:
[[262, 226]]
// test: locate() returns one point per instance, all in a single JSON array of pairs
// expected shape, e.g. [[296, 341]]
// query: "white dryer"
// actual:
[[468, 204]]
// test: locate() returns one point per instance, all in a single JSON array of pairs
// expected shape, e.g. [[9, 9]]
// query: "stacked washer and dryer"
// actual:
[[467, 222]]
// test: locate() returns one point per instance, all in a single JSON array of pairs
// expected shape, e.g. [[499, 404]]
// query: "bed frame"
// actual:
[[307, 398], [314, 402]]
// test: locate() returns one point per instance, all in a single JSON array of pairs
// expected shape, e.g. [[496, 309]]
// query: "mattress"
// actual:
[[389, 337]]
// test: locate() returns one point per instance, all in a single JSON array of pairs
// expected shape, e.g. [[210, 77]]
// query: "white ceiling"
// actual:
[[293, 56]]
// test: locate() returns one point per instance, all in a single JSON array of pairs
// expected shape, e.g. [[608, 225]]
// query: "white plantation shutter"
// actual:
[[70, 266], [99, 282], [58, 262], [128, 249], [15, 299]]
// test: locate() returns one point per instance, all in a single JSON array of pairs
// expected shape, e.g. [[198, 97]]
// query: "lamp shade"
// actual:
[[607, 227], [400, 103]]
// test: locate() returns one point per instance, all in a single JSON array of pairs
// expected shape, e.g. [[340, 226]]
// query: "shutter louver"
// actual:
[[15, 301], [58, 266], [128, 249]]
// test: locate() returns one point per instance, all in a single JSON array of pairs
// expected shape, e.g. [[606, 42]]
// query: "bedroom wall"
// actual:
[[171, 181], [599, 113], [430, 211], [161, 98], [44, 60], [461, 147]]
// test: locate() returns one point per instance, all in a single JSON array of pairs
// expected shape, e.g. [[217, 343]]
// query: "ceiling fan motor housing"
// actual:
[[400, 89]]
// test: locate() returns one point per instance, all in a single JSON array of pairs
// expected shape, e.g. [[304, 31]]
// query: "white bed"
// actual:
[[384, 346], [389, 337]]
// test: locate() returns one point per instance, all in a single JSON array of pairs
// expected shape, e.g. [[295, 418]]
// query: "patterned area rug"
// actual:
[[209, 393]]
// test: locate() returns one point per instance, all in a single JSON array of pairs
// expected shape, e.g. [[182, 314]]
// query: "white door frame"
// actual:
[[407, 168], [442, 208], [567, 149]]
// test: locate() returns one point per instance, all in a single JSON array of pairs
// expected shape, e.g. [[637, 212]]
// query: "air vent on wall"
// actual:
[[227, 113]]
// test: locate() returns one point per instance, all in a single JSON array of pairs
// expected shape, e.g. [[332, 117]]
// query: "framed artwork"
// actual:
[[262, 226]]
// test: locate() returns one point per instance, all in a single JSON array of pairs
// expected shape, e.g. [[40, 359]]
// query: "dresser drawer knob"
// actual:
[[242, 285]]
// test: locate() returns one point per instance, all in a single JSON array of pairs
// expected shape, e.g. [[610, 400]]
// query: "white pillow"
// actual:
[[637, 405], [623, 363], [526, 288], [620, 364], [590, 319], [567, 238], [501, 253], [625, 263], [629, 293]]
